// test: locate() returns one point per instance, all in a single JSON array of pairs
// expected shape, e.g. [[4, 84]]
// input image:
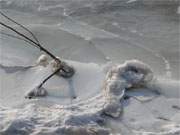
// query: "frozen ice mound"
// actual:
[[98, 94], [24, 79], [131, 74]]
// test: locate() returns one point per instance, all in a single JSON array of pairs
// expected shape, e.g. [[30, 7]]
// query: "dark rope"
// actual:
[[12, 36], [35, 38], [32, 42], [45, 80], [22, 35]]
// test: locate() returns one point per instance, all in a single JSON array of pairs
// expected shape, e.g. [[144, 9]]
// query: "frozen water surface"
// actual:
[[90, 36]]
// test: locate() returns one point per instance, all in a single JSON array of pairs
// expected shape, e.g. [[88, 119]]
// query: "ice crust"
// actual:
[[127, 103], [119, 78], [85, 117]]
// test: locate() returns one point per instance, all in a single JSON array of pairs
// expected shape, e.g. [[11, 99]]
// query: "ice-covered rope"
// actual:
[[64, 70]]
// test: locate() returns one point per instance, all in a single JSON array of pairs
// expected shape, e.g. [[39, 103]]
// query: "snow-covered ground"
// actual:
[[98, 38]]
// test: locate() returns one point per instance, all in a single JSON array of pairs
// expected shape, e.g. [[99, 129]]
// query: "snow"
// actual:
[[124, 83], [103, 93]]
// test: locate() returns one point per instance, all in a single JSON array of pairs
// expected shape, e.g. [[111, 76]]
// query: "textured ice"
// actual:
[[89, 32], [84, 30], [131, 74], [42, 60], [80, 117]]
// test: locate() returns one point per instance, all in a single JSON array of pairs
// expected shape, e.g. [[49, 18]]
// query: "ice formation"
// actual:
[[86, 117], [42, 60], [131, 74], [36, 92], [55, 65]]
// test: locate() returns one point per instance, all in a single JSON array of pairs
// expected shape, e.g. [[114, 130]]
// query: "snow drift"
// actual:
[[105, 99]]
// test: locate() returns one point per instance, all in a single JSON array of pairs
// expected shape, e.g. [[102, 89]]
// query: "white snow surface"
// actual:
[[98, 97], [126, 57]]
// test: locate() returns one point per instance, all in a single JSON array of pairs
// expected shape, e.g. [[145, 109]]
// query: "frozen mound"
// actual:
[[131, 74], [101, 94], [24, 79], [88, 117]]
